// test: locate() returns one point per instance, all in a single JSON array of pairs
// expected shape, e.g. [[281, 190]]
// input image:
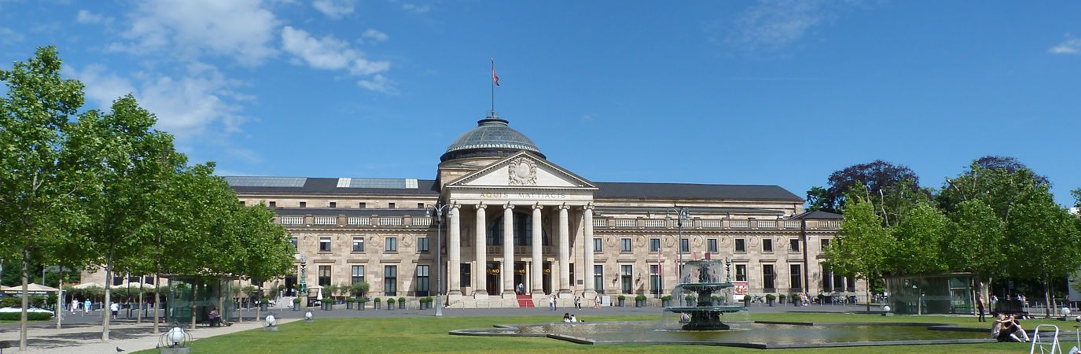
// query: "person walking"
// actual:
[[578, 302], [115, 308], [597, 302], [552, 302], [74, 305], [979, 306], [87, 306]]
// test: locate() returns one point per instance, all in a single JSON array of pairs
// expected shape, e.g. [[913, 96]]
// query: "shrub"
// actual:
[[401, 299], [390, 300], [30, 316], [621, 297], [362, 300], [782, 296], [771, 297], [640, 298], [666, 298], [350, 300], [377, 300], [296, 301], [689, 297]]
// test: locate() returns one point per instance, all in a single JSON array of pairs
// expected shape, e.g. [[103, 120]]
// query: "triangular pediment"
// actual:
[[523, 170]]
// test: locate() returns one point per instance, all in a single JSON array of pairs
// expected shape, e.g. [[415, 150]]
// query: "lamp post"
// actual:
[[681, 213], [303, 276], [439, 256]]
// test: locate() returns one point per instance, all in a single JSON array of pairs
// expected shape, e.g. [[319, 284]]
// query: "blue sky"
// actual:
[[725, 92]]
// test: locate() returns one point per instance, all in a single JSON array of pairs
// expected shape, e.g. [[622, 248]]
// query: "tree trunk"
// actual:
[[59, 300], [105, 307], [157, 300], [1047, 297], [194, 295], [25, 300], [139, 313]]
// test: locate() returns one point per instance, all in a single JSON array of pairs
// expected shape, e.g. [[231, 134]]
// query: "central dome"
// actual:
[[491, 137]]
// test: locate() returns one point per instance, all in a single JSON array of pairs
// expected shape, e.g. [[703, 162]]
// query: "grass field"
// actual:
[[429, 335]]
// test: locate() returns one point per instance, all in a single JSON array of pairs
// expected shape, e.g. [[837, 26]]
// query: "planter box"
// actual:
[[666, 303], [378, 305], [639, 303], [390, 306], [401, 305], [621, 302], [296, 307], [360, 306], [348, 305]]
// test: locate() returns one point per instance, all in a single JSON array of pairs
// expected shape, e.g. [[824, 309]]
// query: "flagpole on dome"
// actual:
[[495, 82]]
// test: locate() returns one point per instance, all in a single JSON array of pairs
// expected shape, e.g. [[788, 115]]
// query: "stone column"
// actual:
[[538, 262], [508, 250], [454, 271], [587, 250], [481, 274], [564, 251]]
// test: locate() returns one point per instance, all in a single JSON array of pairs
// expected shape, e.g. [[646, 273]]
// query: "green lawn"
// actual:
[[429, 335]]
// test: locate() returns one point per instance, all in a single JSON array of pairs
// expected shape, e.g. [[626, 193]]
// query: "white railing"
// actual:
[[359, 220], [626, 223], [600, 222], [389, 221], [766, 224], [326, 220], [292, 220], [654, 223], [712, 223], [740, 224], [423, 221], [791, 224]]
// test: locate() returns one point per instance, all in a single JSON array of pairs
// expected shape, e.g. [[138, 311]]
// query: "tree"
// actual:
[[919, 240], [1046, 240], [863, 244], [818, 198], [892, 188], [1006, 163], [44, 155], [975, 242]]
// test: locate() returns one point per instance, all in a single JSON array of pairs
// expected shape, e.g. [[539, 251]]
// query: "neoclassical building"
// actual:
[[511, 219]]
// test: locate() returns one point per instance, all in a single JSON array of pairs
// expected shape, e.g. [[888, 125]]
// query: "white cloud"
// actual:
[[240, 29], [415, 8], [374, 35], [9, 36], [334, 8], [87, 17], [377, 83], [1069, 46], [329, 53], [778, 24], [186, 106]]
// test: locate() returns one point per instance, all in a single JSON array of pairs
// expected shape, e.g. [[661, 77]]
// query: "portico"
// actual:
[[521, 210]]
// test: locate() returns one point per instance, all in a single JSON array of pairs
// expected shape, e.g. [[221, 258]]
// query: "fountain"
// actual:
[[699, 280]]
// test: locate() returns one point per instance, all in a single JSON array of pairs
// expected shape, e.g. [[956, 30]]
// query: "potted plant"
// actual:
[[770, 298], [377, 303], [640, 301], [782, 297], [327, 304], [296, 304], [689, 300], [360, 303], [426, 302], [666, 301], [621, 299], [717, 300], [349, 303], [390, 303], [401, 303]]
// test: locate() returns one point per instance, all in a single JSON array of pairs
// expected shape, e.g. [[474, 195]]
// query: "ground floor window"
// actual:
[[625, 274], [795, 277], [598, 278], [467, 275], [358, 274], [324, 275], [741, 272], [390, 280], [655, 279], [422, 280], [767, 278]]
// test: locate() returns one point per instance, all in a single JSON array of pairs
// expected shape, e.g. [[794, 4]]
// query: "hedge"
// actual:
[[31, 316]]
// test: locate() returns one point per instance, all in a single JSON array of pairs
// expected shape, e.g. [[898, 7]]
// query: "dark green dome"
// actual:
[[491, 137]]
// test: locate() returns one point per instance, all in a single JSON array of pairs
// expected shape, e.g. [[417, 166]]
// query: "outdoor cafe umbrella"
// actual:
[[31, 288], [88, 285]]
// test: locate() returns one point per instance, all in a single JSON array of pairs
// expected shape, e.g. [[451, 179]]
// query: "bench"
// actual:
[[1010, 307]]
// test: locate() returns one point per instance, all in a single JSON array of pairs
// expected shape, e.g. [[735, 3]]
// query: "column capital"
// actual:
[[480, 205], [564, 206], [508, 206], [538, 206], [587, 207]]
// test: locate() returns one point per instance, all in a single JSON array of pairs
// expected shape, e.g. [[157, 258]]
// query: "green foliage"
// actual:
[[666, 298], [863, 243], [376, 300], [401, 299], [975, 241], [390, 300], [296, 301], [640, 297], [919, 238], [771, 297], [621, 297], [30, 316]]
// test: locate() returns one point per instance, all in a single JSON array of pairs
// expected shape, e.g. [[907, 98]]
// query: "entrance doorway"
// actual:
[[519, 278], [547, 279], [491, 279]]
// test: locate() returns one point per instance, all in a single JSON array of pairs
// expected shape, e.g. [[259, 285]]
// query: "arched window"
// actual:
[[523, 231]]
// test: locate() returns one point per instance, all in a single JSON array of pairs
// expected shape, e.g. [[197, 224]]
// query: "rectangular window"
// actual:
[[795, 276], [768, 278], [467, 275], [597, 245], [333, 205], [390, 206], [324, 244], [685, 245], [838, 282], [767, 245], [363, 205], [850, 283], [625, 245], [422, 280], [148, 280], [303, 204], [793, 245], [116, 281], [422, 245], [654, 244], [273, 204], [711, 245], [324, 275], [655, 279], [358, 274], [390, 280], [741, 272], [741, 245], [825, 243], [358, 244], [625, 274], [571, 266], [242, 203], [420, 205], [598, 278], [294, 242], [391, 244]]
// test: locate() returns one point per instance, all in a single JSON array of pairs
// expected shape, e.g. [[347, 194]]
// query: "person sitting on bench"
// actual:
[[214, 318]]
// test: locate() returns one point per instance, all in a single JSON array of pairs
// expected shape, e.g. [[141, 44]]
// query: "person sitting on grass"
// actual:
[[566, 317], [1017, 330]]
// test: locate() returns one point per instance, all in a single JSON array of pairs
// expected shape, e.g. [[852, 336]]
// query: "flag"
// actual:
[[495, 78]]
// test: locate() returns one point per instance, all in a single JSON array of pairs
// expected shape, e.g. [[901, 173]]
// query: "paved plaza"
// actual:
[[81, 333]]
